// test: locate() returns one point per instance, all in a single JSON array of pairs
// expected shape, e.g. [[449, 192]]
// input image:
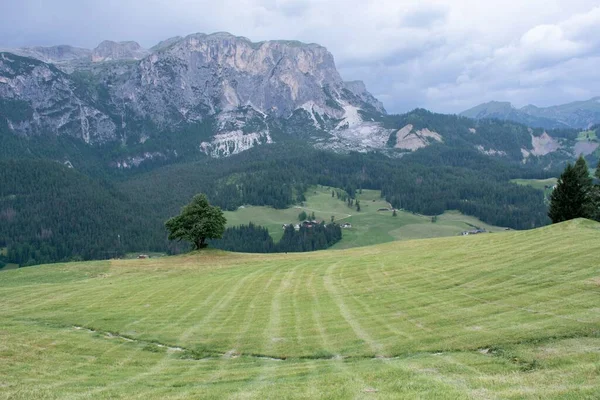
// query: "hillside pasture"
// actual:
[[510, 315], [369, 226]]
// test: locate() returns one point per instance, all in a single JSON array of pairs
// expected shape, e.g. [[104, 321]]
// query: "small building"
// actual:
[[143, 256], [347, 225], [473, 232]]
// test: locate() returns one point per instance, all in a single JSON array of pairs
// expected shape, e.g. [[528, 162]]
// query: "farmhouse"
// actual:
[[473, 232]]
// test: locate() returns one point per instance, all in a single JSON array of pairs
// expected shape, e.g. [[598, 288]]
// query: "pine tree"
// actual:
[[595, 197], [394, 214], [571, 197], [302, 216], [583, 173]]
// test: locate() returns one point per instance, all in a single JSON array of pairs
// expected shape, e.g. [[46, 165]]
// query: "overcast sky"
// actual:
[[439, 54]]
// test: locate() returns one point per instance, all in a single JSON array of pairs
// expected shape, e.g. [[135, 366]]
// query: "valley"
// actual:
[[369, 226]]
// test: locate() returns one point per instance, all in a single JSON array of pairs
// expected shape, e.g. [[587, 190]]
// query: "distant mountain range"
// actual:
[[576, 115], [218, 95]]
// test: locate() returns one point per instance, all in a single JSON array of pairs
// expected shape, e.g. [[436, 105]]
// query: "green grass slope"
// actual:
[[505, 315], [369, 226]]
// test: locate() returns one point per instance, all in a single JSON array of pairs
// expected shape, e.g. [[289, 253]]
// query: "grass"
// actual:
[[540, 184], [504, 315], [9, 266], [369, 226], [587, 135], [130, 256], [545, 185]]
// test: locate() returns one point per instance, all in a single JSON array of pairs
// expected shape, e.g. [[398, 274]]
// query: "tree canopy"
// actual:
[[197, 222], [572, 197]]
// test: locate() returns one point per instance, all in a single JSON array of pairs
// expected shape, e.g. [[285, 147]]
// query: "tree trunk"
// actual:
[[200, 243]]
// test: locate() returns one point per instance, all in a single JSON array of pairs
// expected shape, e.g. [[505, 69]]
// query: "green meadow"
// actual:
[[540, 184], [369, 226], [511, 315], [587, 135]]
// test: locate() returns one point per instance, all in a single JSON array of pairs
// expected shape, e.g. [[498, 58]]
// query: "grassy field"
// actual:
[[587, 135], [9, 266], [540, 184], [506, 315], [130, 256], [369, 226]]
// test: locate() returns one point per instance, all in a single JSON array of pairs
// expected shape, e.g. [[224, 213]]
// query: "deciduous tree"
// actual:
[[197, 222]]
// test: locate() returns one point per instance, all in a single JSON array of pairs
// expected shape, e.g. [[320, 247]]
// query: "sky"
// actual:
[[446, 56]]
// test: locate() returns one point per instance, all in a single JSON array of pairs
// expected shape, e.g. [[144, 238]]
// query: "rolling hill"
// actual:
[[507, 315], [369, 226]]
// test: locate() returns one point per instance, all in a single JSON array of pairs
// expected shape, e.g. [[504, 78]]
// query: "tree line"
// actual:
[[253, 238]]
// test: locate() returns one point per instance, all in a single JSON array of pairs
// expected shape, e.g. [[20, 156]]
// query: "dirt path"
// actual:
[[325, 212]]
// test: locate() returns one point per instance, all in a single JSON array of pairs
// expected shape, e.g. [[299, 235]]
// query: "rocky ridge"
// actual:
[[221, 95], [123, 92]]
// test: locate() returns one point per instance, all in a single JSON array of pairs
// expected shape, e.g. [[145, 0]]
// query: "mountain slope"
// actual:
[[490, 316]]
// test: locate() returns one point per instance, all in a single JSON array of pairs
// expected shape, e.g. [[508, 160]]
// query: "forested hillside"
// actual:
[[49, 213], [429, 181]]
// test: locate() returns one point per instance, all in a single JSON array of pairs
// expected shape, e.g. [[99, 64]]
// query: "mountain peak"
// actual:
[[109, 50]]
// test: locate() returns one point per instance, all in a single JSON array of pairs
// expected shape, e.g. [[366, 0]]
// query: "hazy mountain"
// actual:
[[53, 54], [115, 51], [578, 115]]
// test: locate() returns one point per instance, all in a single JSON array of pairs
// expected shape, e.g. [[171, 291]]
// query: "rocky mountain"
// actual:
[[233, 90], [37, 98], [577, 115], [218, 95]]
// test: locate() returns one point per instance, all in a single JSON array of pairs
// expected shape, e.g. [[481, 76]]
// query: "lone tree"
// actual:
[[197, 222], [572, 196]]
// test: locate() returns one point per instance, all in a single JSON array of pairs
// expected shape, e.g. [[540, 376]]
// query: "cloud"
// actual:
[[445, 55]]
